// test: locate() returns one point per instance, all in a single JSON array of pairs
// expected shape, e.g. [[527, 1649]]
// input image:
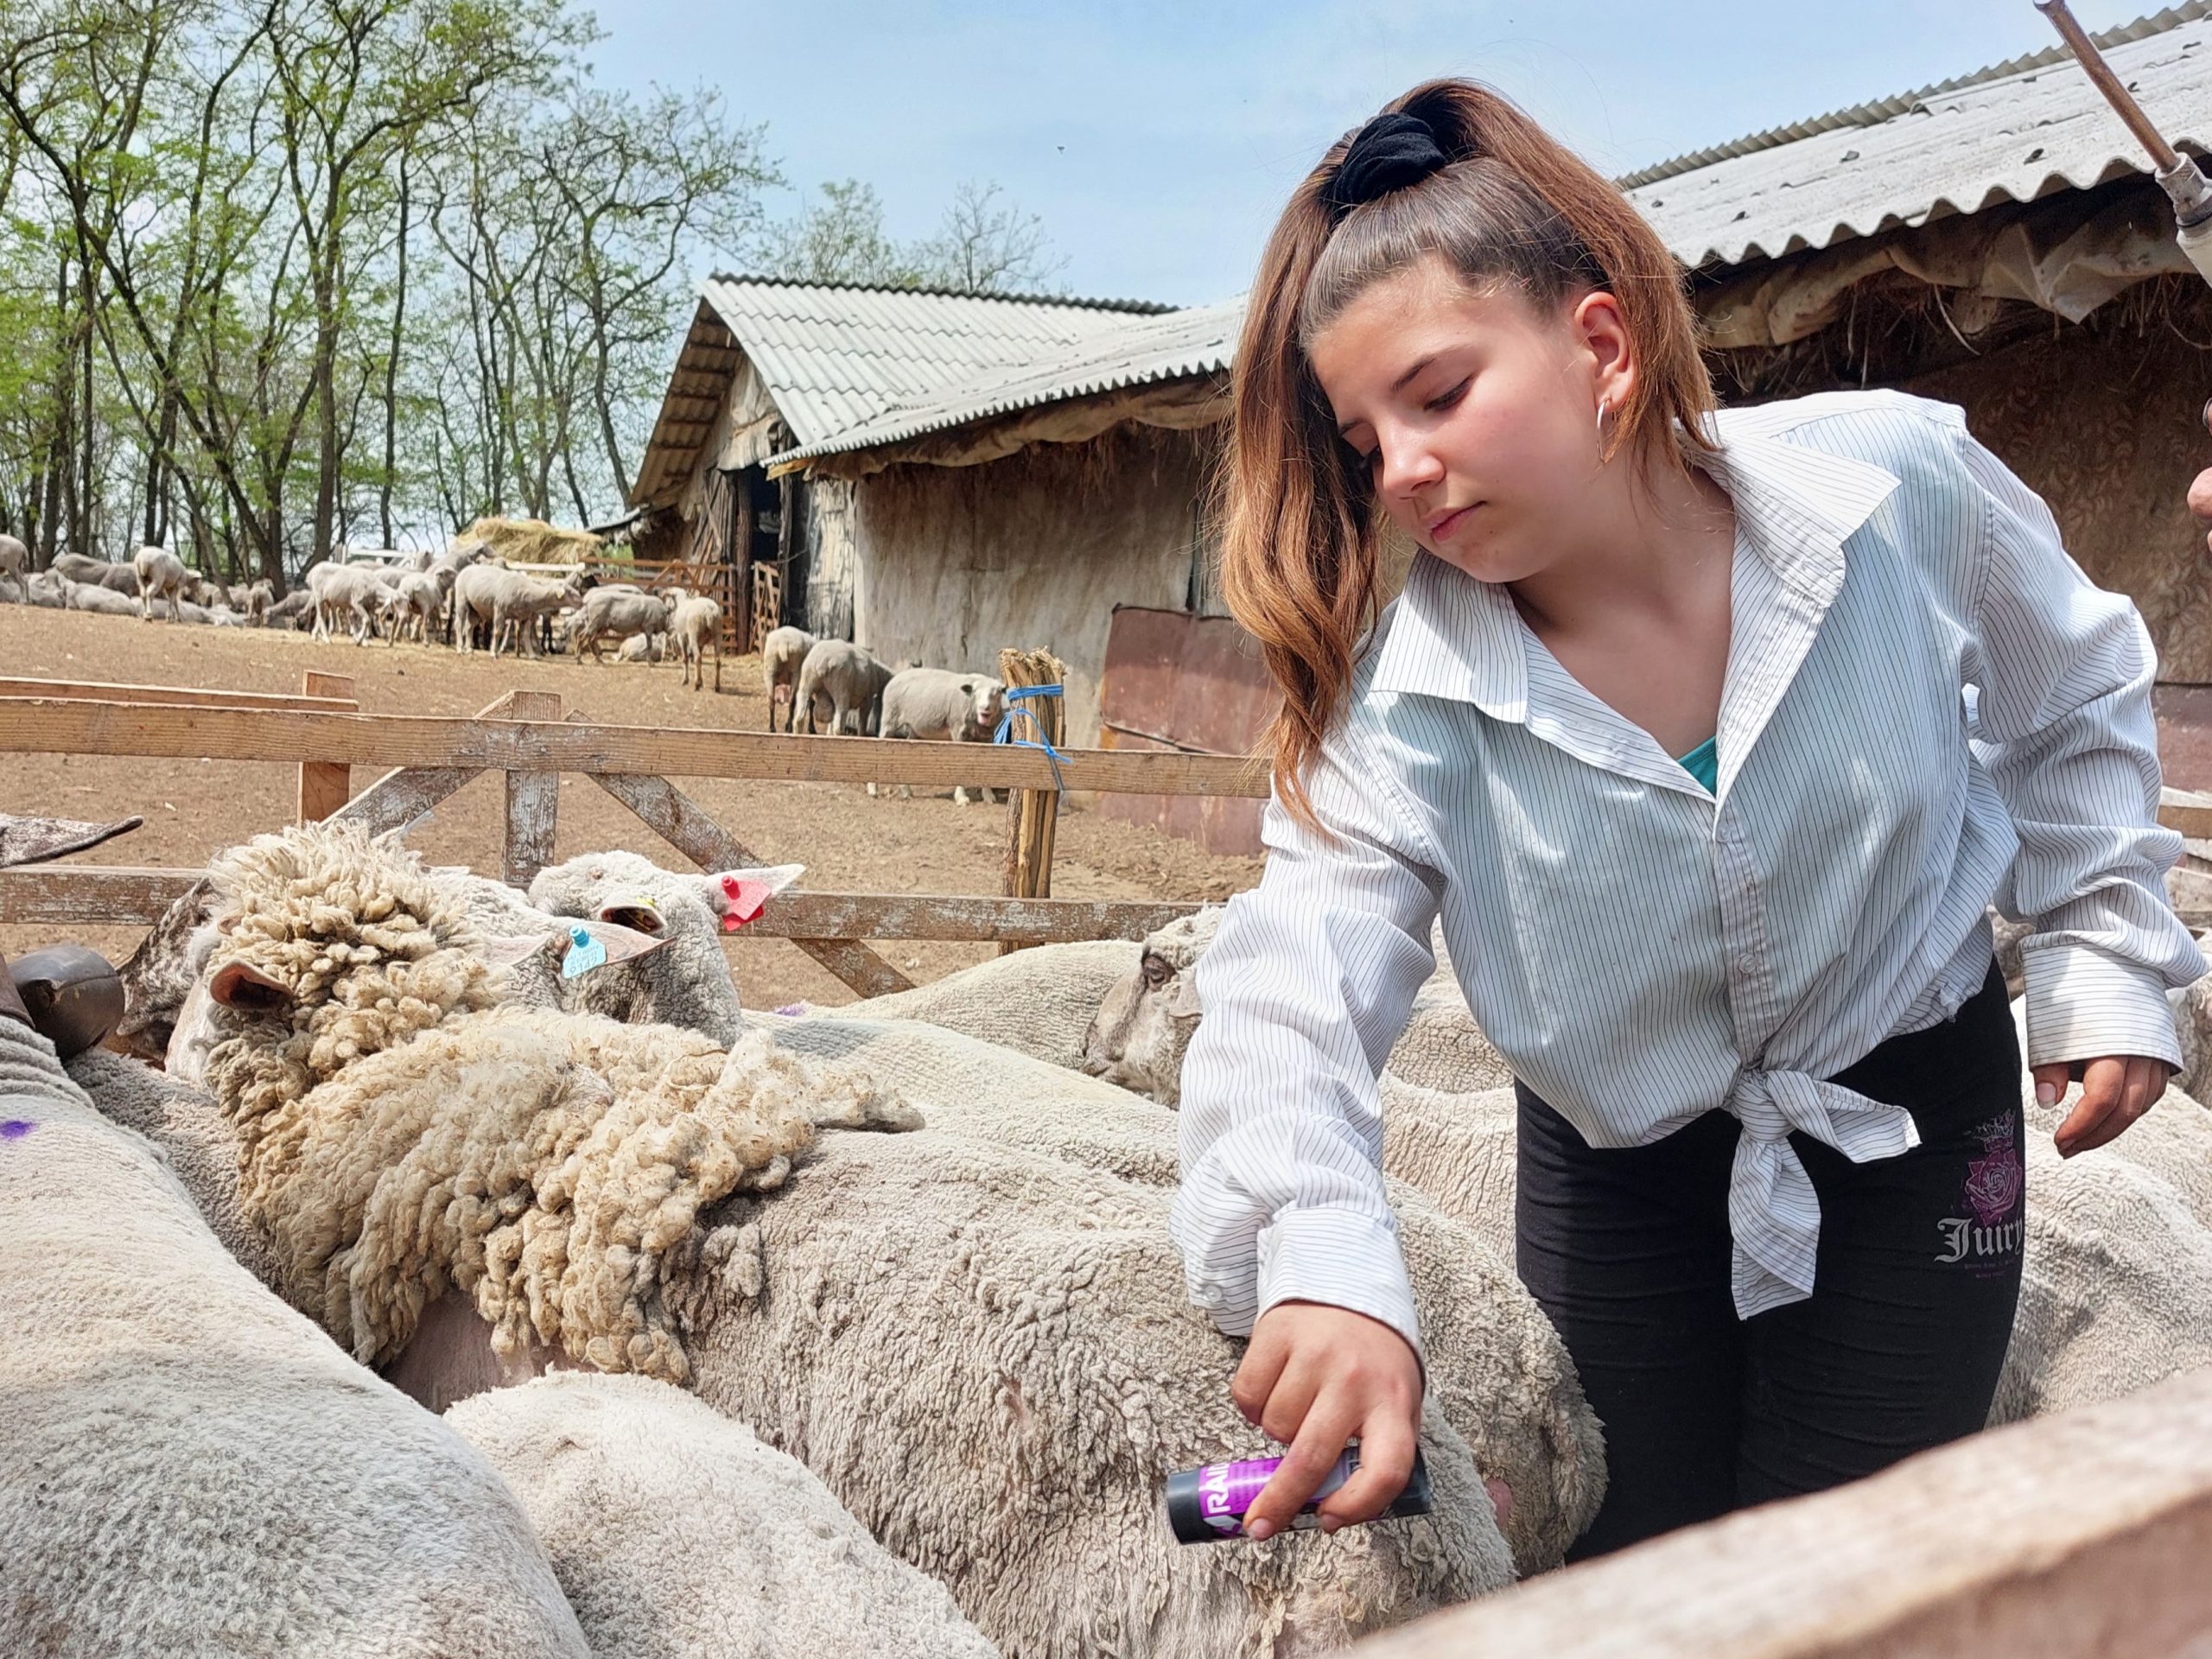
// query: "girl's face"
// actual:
[[1476, 414]]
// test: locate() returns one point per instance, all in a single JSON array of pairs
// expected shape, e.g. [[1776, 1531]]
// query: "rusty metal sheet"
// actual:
[[1176, 681]]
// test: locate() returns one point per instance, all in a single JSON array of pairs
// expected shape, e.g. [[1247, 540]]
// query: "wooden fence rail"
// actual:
[[526, 739]]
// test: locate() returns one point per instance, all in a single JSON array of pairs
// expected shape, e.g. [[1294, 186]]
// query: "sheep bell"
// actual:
[[71, 994]]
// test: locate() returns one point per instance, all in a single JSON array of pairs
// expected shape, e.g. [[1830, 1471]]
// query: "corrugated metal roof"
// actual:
[[2014, 131], [1133, 352], [832, 356]]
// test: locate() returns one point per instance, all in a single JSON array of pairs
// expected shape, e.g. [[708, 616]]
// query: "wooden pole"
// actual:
[[1035, 812], [533, 797], [324, 785]]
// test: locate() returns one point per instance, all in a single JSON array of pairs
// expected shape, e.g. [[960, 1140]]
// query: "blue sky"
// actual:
[[1157, 139]]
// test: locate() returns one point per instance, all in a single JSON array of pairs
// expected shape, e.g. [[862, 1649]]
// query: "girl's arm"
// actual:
[[2062, 721], [1283, 1205]]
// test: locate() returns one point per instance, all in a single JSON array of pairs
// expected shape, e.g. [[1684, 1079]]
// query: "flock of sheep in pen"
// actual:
[[513, 1290], [468, 597]]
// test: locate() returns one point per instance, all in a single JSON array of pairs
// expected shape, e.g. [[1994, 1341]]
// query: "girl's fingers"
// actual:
[[1255, 1378], [2053, 1077], [2100, 1085], [2145, 1081], [1386, 1458], [1320, 1442]]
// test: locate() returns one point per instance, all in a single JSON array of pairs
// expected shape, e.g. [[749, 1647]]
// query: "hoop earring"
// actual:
[[1601, 412]]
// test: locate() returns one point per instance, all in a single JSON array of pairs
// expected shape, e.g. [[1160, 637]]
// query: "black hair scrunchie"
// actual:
[[1388, 153]]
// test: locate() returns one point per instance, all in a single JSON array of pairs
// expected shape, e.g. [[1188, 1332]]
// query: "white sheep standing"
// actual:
[[161, 576], [341, 591], [937, 703], [847, 681], [189, 1467], [507, 599], [620, 613], [783, 653], [677, 1534], [696, 625]]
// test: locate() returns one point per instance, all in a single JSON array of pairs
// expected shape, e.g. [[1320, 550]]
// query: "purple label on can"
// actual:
[[1227, 1489]]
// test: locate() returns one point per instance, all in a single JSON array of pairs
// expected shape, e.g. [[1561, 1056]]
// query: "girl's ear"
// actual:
[[1602, 333]]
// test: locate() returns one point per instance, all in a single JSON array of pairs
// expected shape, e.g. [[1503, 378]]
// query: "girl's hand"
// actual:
[[2115, 1091], [1314, 1377]]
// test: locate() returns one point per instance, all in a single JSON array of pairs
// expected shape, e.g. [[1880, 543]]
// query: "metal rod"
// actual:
[[2163, 155]]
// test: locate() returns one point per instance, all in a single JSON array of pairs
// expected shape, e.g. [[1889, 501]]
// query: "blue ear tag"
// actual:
[[586, 952]]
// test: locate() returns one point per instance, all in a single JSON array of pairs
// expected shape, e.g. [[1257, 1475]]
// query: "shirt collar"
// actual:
[[1452, 636]]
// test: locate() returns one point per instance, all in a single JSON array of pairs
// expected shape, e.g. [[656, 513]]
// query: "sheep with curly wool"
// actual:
[[191, 1468], [677, 1534], [402, 1130], [1497, 1371]]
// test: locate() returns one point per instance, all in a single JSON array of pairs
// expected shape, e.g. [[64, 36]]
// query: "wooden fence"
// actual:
[[526, 738]]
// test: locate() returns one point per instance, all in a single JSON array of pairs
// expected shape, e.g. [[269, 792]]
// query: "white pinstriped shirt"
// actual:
[[1927, 708]]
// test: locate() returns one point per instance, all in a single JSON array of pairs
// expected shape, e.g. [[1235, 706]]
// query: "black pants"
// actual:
[[1899, 1346]]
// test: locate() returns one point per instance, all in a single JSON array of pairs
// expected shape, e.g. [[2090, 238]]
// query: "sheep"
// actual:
[[697, 626], [296, 610], [189, 1467], [782, 654], [848, 681], [356, 1043], [935, 703], [676, 1533], [116, 578], [339, 591], [617, 614], [1042, 1001], [641, 648], [1145, 1023], [413, 604], [256, 598], [47, 589], [161, 576], [100, 600], [506, 598], [687, 984], [15, 566]]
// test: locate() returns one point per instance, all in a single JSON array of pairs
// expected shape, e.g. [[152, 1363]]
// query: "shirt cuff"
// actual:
[[1341, 1258], [2083, 1004]]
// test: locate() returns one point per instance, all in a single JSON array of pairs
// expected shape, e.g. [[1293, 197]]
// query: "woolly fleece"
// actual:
[[1039, 1002], [677, 1534], [1498, 1372], [189, 1468], [986, 1354], [399, 1132]]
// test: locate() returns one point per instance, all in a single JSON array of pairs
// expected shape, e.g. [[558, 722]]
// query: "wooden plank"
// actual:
[[172, 696], [533, 797], [689, 827], [2080, 1533], [2187, 810], [324, 785], [404, 794], [128, 896], [798, 914], [43, 726], [1034, 813]]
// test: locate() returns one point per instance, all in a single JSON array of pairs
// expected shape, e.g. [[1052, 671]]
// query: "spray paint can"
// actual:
[[1207, 1505]]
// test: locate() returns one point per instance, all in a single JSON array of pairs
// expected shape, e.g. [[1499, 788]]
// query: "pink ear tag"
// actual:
[[748, 899]]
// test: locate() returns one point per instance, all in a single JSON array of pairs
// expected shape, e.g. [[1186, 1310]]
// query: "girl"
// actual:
[[1711, 737]]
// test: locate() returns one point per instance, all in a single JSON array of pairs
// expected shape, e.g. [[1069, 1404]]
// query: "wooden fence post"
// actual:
[[324, 785], [1035, 812], [533, 797]]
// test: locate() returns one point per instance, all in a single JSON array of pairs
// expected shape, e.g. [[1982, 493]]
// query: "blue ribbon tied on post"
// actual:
[[1016, 697]]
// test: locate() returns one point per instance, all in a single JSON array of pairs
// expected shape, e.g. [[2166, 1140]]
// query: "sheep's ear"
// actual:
[[510, 948], [740, 896], [622, 943], [593, 944], [636, 912], [1183, 998], [235, 985]]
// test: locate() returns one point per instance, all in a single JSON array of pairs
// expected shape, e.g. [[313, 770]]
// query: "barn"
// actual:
[[768, 365]]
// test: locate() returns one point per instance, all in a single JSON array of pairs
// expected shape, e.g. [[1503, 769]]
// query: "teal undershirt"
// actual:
[[1703, 763]]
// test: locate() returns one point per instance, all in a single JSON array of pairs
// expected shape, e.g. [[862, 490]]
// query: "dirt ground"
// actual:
[[848, 841]]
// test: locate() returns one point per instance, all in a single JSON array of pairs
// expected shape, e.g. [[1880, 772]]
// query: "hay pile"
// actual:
[[532, 540]]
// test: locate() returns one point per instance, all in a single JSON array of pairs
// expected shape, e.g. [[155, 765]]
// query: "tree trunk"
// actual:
[[392, 359]]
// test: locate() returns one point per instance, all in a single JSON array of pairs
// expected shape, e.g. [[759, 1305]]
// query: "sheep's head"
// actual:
[[1146, 1020], [327, 945]]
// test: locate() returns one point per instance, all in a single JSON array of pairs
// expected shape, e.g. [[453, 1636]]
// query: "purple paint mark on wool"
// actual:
[[792, 1010], [16, 1128]]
